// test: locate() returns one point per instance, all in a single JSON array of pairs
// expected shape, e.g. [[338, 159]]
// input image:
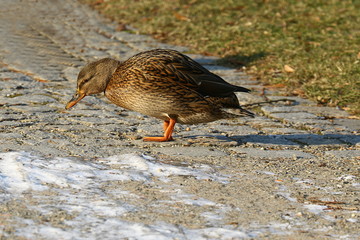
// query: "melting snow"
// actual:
[[76, 188], [314, 208]]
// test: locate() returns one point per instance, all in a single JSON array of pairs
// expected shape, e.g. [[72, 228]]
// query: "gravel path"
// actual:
[[290, 173]]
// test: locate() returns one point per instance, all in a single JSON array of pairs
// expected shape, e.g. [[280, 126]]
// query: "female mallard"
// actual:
[[164, 84]]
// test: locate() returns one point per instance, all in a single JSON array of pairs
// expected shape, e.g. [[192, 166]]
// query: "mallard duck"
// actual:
[[164, 84]]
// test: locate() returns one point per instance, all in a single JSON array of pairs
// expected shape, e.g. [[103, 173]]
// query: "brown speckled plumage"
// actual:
[[164, 84]]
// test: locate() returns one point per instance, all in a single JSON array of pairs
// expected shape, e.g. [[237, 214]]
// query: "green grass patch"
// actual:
[[318, 40]]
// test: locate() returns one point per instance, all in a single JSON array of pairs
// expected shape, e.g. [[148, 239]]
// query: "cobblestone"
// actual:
[[344, 154]]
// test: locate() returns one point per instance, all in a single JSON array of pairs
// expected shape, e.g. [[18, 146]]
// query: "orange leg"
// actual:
[[168, 130], [166, 125]]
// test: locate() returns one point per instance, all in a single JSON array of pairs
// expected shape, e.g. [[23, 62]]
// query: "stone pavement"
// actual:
[[313, 152]]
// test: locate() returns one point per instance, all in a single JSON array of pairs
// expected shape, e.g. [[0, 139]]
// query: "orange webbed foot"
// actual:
[[168, 130], [157, 139]]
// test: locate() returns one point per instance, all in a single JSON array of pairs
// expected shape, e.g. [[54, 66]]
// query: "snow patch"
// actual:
[[314, 208]]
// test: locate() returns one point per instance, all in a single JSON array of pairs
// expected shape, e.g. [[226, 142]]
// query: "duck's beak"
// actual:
[[75, 99]]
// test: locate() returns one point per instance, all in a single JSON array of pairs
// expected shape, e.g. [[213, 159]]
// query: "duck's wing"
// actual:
[[177, 67]]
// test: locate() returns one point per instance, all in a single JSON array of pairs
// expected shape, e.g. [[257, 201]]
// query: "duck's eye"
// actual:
[[83, 82]]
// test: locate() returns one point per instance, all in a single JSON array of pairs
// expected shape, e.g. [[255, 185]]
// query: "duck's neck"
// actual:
[[111, 66]]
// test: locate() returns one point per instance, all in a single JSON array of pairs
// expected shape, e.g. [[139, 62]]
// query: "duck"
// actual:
[[164, 84]]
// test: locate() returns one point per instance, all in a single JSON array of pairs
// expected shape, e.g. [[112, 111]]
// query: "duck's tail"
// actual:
[[246, 112], [239, 112], [242, 89]]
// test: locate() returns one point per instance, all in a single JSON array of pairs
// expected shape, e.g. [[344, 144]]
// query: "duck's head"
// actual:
[[93, 79]]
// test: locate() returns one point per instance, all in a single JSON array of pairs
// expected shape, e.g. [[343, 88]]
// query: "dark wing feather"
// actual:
[[182, 69]]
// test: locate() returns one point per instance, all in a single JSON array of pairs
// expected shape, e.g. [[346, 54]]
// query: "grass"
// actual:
[[311, 47]]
